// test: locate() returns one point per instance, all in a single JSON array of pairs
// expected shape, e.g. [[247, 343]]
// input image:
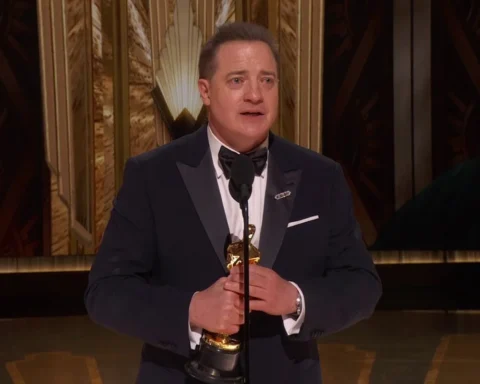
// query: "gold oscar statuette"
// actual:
[[218, 355]]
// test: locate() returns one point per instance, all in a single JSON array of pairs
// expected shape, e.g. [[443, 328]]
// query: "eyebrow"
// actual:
[[263, 72]]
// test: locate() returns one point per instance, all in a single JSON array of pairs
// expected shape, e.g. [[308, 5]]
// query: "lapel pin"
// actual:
[[282, 195]]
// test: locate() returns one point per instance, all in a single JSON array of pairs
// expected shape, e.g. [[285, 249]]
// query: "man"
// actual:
[[160, 274]]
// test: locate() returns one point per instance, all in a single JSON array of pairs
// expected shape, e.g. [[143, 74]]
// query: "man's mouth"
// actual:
[[252, 113]]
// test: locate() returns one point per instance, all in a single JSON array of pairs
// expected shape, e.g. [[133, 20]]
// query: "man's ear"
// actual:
[[204, 89]]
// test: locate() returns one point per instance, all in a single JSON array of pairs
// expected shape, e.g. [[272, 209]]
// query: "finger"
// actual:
[[258, 305], [253, 268], [258, 271], [255, 279], [233, 286], [239, 302], [232, 329], [236, 270], [261, 271], [238, 317], [258, 293], [235, 277], [241, 306], [254, 292]]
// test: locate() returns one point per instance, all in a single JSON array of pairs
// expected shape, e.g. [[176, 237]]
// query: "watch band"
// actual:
[[299, 304]]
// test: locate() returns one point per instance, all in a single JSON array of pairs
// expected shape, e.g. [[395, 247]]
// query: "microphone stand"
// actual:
[[246, 284]]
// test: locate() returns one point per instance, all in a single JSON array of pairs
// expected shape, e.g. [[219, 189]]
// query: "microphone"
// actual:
[[242, 174]]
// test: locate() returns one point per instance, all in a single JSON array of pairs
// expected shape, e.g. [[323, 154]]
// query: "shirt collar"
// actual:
[[215, 144]]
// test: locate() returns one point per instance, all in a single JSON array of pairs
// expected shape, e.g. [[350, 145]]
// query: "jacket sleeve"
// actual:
[[119, 295], [350, 288]]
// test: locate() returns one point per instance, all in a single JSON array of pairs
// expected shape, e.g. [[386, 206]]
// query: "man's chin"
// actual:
[[253, 140], [255, 130]]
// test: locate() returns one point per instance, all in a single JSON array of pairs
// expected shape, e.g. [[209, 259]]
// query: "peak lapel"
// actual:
[[199, 178], [278, 206]]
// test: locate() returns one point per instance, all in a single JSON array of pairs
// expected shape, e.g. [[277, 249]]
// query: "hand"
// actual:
[[217, 310], [271, 293]]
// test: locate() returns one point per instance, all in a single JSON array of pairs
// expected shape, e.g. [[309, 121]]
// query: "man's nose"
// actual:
[[253, 92]]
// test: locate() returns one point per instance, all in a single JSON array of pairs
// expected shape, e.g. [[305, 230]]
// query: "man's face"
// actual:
[[242, 95]]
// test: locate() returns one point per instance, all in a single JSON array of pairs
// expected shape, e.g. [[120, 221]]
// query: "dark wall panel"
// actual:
[[358, 102], [24, 178]]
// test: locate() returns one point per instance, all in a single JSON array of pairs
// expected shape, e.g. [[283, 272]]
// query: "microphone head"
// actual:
[[242, 174]]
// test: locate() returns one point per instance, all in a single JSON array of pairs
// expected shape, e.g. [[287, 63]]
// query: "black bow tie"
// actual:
[[258, 157]]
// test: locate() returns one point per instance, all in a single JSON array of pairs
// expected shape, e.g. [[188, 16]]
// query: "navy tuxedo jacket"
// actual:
[[167, 237]]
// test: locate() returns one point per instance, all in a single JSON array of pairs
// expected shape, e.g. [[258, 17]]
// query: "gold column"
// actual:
[[65, 32], [140, 79], [80, 132], [121, 110], [103, 117], [308, 126], [160, 17], [85, 92], [107, 77], [54, 110], [49, 56], [317, 47], [288, 41]]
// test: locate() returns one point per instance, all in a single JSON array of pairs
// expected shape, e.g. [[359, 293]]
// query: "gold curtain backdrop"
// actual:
[[103, 59]]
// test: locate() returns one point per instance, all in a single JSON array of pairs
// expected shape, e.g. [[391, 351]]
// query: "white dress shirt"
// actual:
[[234, 217]]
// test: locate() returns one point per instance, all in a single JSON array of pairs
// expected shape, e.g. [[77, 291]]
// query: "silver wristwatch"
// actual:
[[299, 305]]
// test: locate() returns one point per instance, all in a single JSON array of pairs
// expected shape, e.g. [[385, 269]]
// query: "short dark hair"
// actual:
[[235, 31]]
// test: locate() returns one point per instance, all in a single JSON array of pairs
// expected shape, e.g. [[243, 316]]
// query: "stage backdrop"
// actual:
[[125, 81], [387, 88]]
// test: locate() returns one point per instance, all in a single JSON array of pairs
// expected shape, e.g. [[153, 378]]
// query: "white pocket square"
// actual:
[[293, 223]]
